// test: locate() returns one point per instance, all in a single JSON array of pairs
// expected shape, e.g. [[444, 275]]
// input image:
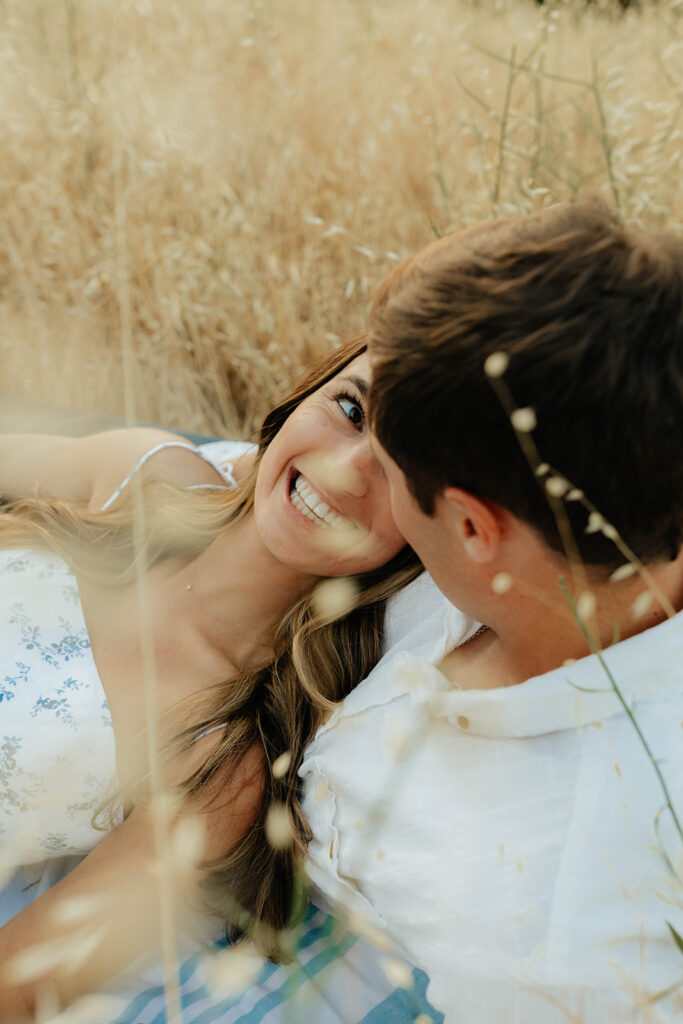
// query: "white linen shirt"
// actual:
[[510, 841]]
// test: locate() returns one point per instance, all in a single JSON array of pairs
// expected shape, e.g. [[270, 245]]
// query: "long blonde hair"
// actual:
[[316, 660]]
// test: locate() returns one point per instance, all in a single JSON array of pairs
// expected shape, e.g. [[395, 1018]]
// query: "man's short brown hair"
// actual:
[[589, 312]]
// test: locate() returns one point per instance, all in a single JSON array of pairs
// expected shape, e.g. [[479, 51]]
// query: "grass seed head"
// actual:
[[233, 970], [595, 523], [523, 420], [280, 765], [334, 598], [642, 604], [360, 925], [501, 583], [496, 364], [398, 973], [624, 572], [556, 486], [586, 605], [279, 830]]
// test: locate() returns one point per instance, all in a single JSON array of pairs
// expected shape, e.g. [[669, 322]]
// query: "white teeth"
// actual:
[[305, 499], [298, 504]]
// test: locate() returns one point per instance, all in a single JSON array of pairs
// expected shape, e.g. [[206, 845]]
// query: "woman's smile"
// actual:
[[306, 499]]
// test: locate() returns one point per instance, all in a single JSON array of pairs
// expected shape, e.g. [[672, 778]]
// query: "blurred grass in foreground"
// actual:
[[225, 184]]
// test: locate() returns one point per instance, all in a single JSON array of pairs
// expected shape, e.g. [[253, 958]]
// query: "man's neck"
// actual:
[[542, 623]]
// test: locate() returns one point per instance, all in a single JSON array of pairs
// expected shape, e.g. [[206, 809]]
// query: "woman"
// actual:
[[208, 598]]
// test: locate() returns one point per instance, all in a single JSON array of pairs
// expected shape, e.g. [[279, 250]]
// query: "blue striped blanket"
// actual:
[[334, 978]]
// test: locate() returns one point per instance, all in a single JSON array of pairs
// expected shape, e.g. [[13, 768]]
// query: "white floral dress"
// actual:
[[57, 754], [57, 750]]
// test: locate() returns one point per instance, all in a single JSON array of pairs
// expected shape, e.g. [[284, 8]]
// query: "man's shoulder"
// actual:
[[421, 620]]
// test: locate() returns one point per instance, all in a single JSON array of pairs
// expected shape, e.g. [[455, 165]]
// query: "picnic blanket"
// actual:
[[335, 977]]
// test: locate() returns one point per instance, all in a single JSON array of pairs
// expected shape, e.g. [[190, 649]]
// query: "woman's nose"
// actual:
[[358, 464]]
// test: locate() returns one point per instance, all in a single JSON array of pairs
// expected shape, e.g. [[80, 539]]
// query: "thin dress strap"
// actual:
[[225, 471]]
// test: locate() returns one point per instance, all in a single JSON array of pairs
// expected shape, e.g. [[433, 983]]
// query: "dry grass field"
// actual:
[[199, 196]]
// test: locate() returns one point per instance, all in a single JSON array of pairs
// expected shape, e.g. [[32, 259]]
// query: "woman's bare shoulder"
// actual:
[[80, 469], [147, 452]]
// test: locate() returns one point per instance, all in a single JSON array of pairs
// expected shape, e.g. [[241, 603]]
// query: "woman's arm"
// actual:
[[107, 912], [87, 470], [87, 927]]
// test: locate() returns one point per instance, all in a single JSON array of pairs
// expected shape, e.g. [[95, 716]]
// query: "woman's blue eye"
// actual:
[[352, 410]]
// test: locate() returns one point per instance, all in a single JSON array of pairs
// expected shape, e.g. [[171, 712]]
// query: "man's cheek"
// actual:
[[402, 512]]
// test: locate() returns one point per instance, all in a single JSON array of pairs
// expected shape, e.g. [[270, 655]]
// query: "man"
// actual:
[[527, 404], [587, 318]]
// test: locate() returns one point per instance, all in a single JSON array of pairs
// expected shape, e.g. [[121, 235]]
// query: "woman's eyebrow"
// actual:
[[359, 382]]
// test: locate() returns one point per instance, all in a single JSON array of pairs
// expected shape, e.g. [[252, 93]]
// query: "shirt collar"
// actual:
[[571, 696], [422, 626]]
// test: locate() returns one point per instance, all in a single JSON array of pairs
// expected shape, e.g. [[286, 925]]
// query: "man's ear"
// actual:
[[474, 522]]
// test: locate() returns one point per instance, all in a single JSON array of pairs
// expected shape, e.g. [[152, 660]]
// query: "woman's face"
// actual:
[[321, 503]]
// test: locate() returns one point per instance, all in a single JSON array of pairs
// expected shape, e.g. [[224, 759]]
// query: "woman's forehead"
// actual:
[[358, 367]]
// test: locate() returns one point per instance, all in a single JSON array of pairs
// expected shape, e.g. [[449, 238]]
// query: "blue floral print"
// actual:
[[54, 716]]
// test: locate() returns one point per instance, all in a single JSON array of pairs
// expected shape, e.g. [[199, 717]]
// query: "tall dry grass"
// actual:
[[198, 197]]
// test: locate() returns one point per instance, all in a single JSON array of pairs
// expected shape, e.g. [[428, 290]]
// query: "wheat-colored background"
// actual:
[[198, 196]]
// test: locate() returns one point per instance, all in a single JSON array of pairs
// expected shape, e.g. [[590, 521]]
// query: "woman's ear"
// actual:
[[474, 522]]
